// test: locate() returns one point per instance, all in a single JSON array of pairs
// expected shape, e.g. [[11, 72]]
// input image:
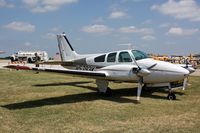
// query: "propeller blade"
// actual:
[[136, 64], [139, 90], [152, 66], [185, 83]]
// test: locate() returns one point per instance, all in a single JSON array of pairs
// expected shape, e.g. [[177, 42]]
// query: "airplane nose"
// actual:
[[176, 70], [183, 71], [191, 69]]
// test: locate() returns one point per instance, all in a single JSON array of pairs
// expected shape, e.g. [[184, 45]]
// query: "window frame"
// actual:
[[131, 60], [115, 55], [98, 58]]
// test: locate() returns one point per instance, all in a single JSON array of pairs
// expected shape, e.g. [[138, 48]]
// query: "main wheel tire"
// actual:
[[12, 59], [29, 60], [108, 92], [147, 89], [171, 96]]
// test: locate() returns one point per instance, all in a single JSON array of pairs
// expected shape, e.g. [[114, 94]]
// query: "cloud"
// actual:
[[177, 31], [118, 15], [148, 38], [52, 32], [99, 20], [96, 28], [27, 44], [182, 9], [4, 3], [42, 6], [147, 22], [133, 29], [55, 29], [133, 0], [164, 25], [50, 36], [20, 26]]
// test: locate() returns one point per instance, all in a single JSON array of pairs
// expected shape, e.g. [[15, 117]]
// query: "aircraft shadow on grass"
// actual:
[[117, 96]]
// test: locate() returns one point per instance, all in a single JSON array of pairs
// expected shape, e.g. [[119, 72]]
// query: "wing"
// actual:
[[87, 74], [51, 62], [62, 63]]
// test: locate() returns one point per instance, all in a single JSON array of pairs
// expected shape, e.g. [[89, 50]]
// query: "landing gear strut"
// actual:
[[102, 85]]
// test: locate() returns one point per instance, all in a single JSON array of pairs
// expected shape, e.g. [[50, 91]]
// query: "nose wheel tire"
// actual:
[[171, 96]]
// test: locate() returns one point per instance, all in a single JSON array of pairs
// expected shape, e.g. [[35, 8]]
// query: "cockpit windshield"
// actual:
[[138, 55]]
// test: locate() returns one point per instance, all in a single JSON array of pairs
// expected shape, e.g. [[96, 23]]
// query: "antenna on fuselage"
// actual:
[[129, 45]]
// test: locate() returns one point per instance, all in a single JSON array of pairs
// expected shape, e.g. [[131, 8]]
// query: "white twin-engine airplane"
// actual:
[[121, 66]]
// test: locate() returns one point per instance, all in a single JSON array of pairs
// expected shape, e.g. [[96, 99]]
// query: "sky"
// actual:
[[95, 26]]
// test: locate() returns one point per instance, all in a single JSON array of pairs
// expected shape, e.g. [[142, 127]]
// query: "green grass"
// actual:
[[46, 102]]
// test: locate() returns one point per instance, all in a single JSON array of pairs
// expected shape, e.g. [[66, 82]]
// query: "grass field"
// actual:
[[46, 102]]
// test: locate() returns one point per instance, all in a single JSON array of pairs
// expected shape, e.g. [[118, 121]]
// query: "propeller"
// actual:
[[185, 83], [190, 69], [187, 63], [141, 73]]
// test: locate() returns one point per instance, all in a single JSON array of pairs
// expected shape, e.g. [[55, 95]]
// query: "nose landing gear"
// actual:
[[171, 96]]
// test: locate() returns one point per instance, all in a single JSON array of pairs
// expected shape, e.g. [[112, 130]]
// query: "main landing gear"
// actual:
[[102, 85], [108, 92]]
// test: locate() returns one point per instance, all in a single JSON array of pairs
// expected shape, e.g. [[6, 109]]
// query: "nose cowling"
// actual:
[[163, 72], [184, 71], [173, 69], [191, 69]]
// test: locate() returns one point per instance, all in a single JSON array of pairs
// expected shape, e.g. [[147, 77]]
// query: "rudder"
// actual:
[[67, 52]]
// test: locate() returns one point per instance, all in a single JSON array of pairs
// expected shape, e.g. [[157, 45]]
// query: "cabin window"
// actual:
[[124, 57], [111, 57], [100, 58]]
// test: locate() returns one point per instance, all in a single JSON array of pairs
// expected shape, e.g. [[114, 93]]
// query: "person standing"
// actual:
[[37, 61]]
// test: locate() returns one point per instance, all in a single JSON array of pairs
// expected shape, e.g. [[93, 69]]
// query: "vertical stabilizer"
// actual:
[[67, 52]]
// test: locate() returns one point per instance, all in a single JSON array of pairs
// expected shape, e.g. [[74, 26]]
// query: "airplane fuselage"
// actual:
[[119, 64]]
